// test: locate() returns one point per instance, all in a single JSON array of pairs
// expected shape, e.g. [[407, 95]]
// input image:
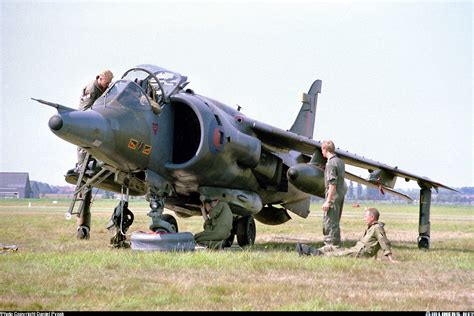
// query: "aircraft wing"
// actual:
[[382, 188], [285, 140]]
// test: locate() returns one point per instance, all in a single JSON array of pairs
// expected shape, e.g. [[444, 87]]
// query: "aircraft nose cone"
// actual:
[[55, 123], [293, 173]]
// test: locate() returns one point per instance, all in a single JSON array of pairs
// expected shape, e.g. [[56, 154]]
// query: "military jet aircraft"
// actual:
[[150, 135]]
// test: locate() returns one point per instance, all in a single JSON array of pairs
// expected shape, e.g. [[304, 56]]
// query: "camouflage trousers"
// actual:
[[331, 229], [356, 252], [211, 238]]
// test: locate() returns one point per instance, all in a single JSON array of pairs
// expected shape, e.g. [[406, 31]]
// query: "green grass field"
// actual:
[[53, 271]]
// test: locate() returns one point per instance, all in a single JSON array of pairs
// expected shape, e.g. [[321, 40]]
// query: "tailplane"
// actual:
[[304, 123]]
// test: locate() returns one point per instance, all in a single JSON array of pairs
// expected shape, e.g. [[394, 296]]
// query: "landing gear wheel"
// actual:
[[83, 232], [246, 231], [121, 220], [166, 224], [423, 242], [170, 219]]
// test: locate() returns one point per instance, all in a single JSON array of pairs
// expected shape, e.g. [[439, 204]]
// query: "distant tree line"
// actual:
[[44, 188]]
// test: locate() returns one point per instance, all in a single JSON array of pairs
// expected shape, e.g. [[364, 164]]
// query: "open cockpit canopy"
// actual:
[[156, 82]]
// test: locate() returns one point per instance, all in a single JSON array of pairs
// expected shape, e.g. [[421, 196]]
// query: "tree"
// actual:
[[350, 192], [359, 191]]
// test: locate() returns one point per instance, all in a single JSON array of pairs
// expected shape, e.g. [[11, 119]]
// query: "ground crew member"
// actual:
[[94, 89], [217, 226], [90, 93], [368, 246], [334, 196]]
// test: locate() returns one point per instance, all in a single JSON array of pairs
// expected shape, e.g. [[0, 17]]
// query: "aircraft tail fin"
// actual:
[[304, 123]]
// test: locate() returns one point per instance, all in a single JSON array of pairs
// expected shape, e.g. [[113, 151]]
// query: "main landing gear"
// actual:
[[164, 227], [122, 219], [160, 222], [245, 230]]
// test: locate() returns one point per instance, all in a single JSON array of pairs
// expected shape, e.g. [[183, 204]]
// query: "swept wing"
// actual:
[[285, 140]]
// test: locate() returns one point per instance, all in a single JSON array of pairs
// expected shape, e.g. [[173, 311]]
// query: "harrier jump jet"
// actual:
[[150, 135]]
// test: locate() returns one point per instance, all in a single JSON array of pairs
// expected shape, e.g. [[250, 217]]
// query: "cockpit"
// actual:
[[144, 87]]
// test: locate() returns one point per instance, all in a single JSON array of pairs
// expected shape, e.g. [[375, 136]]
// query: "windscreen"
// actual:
[[133, 97], [127, 93]]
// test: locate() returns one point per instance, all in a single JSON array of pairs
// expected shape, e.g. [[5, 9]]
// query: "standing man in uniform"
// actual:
[[334, 196], [90, 93], [372, 241], [217, 226]]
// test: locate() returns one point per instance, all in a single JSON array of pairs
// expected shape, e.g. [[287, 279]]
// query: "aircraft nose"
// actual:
[[55, 122], [83, 128]]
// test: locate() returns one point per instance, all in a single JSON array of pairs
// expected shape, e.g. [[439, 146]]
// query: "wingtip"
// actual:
[[428, 183], [446, 187]]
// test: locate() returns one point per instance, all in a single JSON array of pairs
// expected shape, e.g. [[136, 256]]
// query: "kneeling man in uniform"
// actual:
[[217, 226]]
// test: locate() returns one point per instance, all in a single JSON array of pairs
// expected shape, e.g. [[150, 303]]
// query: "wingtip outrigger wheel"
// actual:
[[424, 242], [424, 220]]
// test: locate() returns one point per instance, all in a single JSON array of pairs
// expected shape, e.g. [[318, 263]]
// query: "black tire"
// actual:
[[170, 219], [246, 231], [150, 241], [423, 242]]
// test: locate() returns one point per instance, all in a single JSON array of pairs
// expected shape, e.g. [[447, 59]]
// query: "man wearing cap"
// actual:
[[217, 226], [91, 92]]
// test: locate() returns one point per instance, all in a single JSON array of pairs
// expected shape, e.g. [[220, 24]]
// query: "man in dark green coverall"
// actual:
[[217, 226], [91, 92], [334, 196], [372, 241]]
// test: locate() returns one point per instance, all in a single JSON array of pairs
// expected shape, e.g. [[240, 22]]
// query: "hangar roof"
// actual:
[[13, 179]]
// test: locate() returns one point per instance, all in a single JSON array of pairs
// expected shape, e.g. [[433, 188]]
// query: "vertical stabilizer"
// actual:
[[304, 123]]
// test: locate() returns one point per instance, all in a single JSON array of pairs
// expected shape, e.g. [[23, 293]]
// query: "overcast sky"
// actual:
[[397, 76]]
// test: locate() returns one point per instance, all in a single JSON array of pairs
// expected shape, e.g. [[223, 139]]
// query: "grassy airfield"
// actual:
[[53, 271]]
